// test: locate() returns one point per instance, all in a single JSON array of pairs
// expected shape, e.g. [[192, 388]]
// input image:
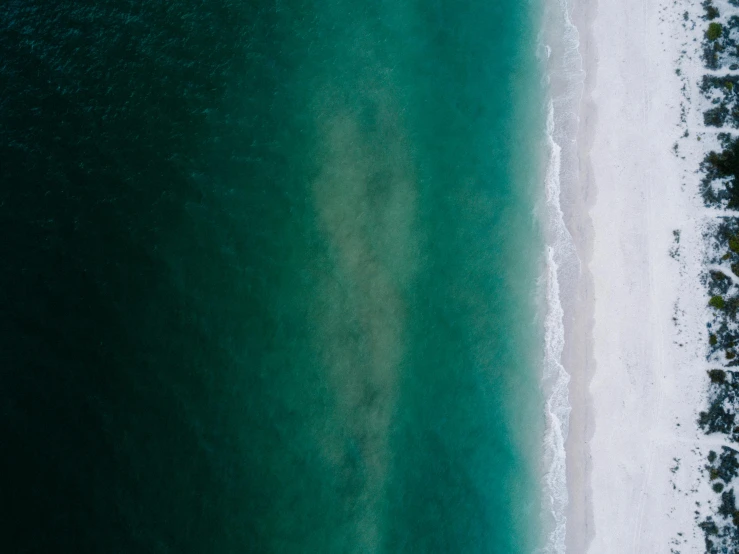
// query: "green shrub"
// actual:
[[735, 269], [718, 487], [730, 354], [714, 31], [717, 302], [734, 243], [712, 339], [717, 376]]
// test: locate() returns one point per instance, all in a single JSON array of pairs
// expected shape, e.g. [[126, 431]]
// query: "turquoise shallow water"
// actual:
[[272, 280]]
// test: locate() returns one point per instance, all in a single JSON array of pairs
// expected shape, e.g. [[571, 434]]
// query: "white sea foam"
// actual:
[[560, 254], [565, 78]]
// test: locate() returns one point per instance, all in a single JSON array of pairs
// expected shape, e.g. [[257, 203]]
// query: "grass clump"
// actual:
[[717, 302], [714, 31]]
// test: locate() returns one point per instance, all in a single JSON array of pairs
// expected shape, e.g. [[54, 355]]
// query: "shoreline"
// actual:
[[578, 354], [567, 37]]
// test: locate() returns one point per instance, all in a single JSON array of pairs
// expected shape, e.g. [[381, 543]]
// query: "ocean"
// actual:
[[272, 276]]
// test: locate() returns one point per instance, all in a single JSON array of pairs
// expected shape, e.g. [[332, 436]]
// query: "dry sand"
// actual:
[[635, 332]]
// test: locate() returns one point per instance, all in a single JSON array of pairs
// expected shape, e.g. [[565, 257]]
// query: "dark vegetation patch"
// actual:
[[723, 400], [720, 189], [719, 283], [720, 184], [721, 530], [711, 11], [716, 117], [728, 510], [725, 466], [720, 535], [722, 340], [725, 92], [717, 376], [720, 417], [722, 237], [723, 329]]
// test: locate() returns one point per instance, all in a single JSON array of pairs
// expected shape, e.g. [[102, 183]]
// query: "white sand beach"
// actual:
[[635, 333]]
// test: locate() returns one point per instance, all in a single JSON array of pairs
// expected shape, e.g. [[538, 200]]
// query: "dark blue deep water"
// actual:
[[267, 276]]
